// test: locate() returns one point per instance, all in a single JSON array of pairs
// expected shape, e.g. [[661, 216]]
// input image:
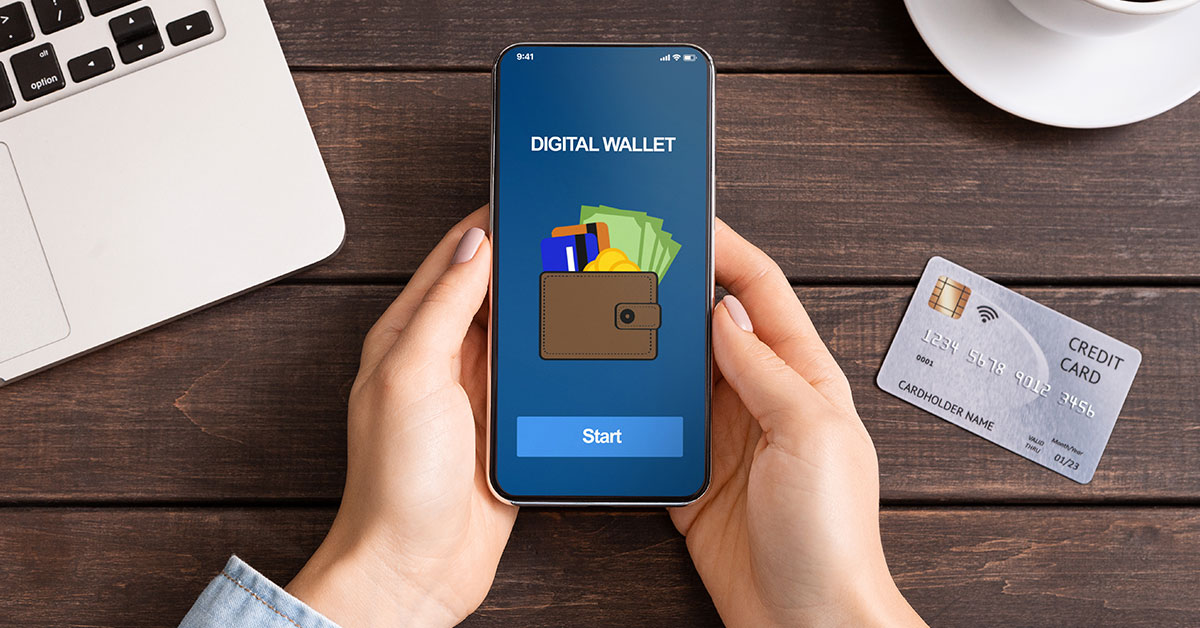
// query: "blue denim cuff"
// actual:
[[240, 596]]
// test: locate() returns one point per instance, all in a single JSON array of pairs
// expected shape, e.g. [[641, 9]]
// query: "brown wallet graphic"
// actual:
[[599, 316]]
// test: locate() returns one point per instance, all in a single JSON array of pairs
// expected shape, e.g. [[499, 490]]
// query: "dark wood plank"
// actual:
[[840, 178], [247, 401], [973, 567], [468, 34]]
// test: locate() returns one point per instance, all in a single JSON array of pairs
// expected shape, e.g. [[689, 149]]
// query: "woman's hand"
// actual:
[[788, 533], [418, 535]]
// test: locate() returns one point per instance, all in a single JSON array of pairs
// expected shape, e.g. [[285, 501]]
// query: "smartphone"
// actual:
[[602, 278]]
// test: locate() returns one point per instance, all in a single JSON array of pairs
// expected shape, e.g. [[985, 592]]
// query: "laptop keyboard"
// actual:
[[52, 49]]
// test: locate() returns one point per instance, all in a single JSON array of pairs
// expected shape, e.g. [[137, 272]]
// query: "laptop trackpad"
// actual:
[[31, 314]]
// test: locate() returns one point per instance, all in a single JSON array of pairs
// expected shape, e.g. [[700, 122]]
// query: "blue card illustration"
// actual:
[[569, 253]]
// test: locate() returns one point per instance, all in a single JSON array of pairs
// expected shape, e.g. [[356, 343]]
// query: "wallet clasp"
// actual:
[[637, 315]]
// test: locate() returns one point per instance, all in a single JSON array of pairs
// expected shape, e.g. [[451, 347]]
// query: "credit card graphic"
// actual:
[[569, 253], [1009, 369], [599, 229]]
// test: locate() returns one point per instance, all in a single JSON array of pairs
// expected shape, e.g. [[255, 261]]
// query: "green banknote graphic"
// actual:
[[637, 234]]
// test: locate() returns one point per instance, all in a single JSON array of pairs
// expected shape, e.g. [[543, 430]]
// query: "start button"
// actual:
[[599, 436]]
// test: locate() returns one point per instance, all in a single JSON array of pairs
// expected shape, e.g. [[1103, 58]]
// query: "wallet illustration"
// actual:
[[599, 316], [599, 286]]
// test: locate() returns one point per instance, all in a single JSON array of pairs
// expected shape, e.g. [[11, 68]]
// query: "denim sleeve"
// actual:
[[240, 596]]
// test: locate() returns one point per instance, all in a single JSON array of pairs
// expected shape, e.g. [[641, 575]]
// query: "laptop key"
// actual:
[[7, 99], [15, 28], [55, 15], [100, 7], [190, 28], [139, 49], [37, 72], [91, 65], [133, 25]]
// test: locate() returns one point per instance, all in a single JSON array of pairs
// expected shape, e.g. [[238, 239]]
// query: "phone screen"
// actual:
[[602, 284]]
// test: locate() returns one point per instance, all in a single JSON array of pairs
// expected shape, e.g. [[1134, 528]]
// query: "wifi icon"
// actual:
[[987, 314], [675, 57]]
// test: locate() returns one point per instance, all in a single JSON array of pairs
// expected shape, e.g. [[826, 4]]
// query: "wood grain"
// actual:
[[777, 35], [958, 567], [843, 150], [247, 402], [840, 178]]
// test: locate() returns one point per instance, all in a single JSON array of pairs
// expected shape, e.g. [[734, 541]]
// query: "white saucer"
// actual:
[[1063, 80]]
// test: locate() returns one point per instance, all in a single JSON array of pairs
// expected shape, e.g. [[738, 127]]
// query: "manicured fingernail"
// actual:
[[737, 312], [468, 245]]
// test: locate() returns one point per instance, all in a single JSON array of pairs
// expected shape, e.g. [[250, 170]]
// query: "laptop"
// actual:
[[154, 159]]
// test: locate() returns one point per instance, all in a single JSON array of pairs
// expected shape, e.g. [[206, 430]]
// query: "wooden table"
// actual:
[[844, 149]]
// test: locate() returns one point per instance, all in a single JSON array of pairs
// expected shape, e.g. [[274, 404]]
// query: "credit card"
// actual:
[[1009, 369], [569, 253], [598, 229]]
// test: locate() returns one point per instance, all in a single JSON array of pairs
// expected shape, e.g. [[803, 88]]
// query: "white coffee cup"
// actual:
[[1098, 18]]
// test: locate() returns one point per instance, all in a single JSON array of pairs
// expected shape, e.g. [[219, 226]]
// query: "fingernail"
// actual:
[[468, 245], [737, 312]]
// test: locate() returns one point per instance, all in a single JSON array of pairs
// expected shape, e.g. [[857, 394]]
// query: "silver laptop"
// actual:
[[154, 159]]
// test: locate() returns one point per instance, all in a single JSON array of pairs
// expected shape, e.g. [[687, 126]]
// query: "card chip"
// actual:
[[949, 297]]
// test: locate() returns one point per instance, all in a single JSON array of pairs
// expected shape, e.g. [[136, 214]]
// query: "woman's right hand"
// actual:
[[788, 533]]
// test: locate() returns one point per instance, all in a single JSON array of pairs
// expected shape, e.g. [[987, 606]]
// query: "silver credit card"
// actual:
[[1009, 369]]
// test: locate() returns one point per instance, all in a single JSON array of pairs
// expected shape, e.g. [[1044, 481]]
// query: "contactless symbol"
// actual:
[[986, 314], [949, 297]]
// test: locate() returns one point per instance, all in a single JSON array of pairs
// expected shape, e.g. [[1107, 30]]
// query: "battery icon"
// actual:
[[689, 57]]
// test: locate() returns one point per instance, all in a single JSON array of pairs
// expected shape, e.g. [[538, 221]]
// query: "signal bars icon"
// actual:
[[665, 58]]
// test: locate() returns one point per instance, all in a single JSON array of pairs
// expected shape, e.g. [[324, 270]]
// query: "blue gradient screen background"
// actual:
[[600, 91]]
